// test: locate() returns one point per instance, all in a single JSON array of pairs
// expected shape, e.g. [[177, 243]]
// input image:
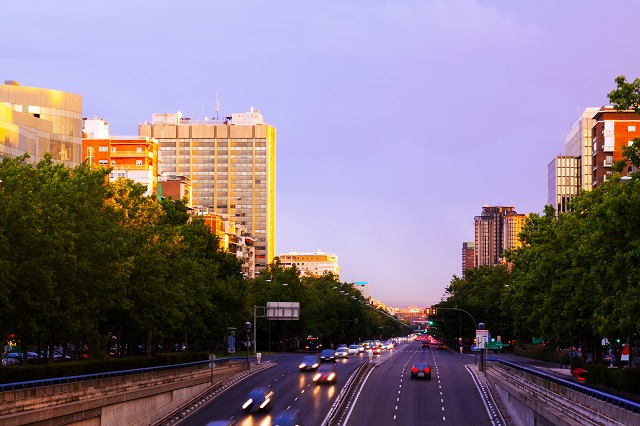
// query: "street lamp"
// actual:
[[247, 328]]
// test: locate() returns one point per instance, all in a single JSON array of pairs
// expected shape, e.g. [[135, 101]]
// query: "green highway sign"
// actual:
[[495, 345]]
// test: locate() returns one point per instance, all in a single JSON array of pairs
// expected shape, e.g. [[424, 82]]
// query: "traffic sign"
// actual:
[[482, 337]]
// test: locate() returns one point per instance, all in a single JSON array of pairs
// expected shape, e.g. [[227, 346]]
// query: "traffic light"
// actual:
[[427, 311], [434, 311]]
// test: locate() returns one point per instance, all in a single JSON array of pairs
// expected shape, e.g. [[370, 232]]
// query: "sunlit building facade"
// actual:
[[496, 229], [234, 239], [467, 257], [611, 131], [38, 121], [311, 264], [130, 157], [231, 165]]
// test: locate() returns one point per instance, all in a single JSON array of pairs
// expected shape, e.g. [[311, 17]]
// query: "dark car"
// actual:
[[425, 344], [287, 418], [259, 399], [421, 370], [328, 355], [310, 362], [325, 374], [440, 346]]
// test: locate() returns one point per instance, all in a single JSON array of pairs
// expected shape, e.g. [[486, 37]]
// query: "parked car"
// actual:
[[8, 361], [310, 362], [328, 355], [259, 399], [421, 370], [325, 374]]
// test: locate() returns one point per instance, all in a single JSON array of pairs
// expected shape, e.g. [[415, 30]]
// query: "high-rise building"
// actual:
[[467, 257], [571, 173], [38, 121], [611, 131], [562, 180], [311, 264], [231, 165], [130, 157], [496, 229]]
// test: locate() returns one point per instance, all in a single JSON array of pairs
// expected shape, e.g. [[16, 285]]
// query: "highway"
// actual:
[[293, 390], [388, 397]]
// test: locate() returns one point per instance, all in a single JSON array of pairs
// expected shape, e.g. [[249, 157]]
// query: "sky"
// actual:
[[397, 121]]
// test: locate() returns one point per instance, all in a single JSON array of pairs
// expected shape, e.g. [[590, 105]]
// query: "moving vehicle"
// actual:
[[353, 350], [258, 399], [328, 355], [310, 362], [440, 346], [325, 374], [342, 352], [287, 418], [421, 370], [312, 344]]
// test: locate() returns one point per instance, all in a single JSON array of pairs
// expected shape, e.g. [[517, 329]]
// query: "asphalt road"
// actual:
[[292, 390], [390, 397]]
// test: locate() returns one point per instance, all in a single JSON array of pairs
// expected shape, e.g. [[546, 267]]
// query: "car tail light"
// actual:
[[427, 370], [414, 370]]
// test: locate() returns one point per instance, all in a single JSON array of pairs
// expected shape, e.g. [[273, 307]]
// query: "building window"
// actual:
[[113, 149], [632, 128], [103, 162], [139, 149], [103, 148], [138, 162]]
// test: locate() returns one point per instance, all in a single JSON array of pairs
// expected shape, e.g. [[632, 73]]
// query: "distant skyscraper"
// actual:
[[611, 131], [493, 228], [39, 121], [467, 257], [562, 180], [231, 165]]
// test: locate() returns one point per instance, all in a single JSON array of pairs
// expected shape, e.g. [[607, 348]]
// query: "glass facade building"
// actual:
[[38, 121]]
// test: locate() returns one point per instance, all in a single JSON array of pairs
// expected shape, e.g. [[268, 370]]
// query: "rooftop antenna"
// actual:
[[217, 106]]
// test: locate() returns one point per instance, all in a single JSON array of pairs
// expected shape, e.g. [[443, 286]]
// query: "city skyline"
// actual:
[[397, 121]]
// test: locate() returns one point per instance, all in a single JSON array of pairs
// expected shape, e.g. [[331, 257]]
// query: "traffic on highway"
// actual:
[[406, 384]]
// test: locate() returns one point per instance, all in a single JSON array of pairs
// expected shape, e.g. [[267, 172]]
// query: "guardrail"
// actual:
[[602, 396], [84, 377], [339, 405]]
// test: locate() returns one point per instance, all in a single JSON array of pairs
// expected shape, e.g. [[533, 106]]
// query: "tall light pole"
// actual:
[[247, 328]]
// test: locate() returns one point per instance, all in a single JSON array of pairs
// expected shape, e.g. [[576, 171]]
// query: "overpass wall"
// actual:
[[139, 399]]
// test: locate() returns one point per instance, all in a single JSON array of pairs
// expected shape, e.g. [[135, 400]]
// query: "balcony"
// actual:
[[608, 148], [608, 133]]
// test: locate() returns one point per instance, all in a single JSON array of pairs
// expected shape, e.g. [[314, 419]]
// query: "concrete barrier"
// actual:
[[139, 399]]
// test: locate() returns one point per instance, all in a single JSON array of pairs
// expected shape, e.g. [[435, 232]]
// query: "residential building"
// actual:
[[467, 257], [362, 287], [234, 239], [611, 131], [130, 157], [496, 229], [176, 187], [38, 121], [231, 165], [311, 264]]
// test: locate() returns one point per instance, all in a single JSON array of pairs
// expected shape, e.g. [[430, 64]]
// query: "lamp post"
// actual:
[[247, 328]]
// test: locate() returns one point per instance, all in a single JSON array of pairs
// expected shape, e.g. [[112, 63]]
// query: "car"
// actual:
[[421, 370], [425, 344], [353, 350], [328, 355], [360, 347], [9, 361], [441, 346], [325, 374], [287, 418], [310, 362], [260, 398], [342, 352], [375, 349]]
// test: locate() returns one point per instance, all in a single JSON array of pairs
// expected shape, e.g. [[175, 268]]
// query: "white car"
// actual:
[[353, 350], [342, 352]]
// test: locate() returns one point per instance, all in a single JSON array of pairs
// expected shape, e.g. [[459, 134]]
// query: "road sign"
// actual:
[[494, 345], [482, 337]]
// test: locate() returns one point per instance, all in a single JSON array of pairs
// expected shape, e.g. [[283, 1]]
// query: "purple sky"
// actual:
[[396, 120]]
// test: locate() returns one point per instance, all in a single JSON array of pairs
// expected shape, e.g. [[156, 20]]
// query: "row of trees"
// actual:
[[89, 262], [576, 278]]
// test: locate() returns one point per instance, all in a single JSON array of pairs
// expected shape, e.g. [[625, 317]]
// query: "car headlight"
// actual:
[[331, 376], [301, 366], [264, 404], [246, 404], [316, 377], [315, 365]]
